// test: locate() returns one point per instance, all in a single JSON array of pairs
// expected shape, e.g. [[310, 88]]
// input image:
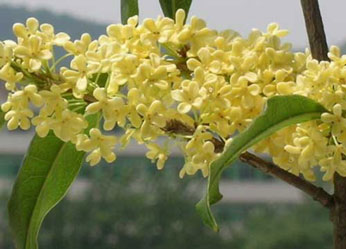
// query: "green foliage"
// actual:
[[130, 206], [49, 168], [129, 8], [169, 7], [281, 112], [140, 210], [290, 227]]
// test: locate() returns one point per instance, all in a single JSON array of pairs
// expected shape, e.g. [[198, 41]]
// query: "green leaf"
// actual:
[[2, 119], [281, 112], [129, 8], [48, 170], [169, 7], [100, 79]]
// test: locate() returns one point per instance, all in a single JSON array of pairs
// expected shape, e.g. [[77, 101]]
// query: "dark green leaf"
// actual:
[[281, 112], [129, 8], [169, 7], [48, 170]]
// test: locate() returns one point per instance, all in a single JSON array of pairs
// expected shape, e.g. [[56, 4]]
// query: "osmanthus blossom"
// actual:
[[185, 83], [113, 109], [99, 146], [157, 153], [78, 76], [10, 77], [79, 47], [190, 96]]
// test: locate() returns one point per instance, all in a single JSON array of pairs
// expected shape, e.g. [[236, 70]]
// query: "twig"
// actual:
[[317, 193], [315, 30]]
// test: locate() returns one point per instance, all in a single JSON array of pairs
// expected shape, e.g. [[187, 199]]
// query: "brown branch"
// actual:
[[319, 50], [315, 192], [174, 126], [315, 30], [89, 98], [338, 213], [177, 127]]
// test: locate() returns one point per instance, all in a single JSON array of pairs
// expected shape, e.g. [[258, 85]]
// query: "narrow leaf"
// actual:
[[281, 112], [169, 7], [48, 170], [129, 8]]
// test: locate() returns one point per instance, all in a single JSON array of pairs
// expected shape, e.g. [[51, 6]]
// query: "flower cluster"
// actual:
[[185, 83]]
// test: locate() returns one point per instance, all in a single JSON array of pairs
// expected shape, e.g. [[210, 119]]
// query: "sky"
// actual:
[[239, 15]]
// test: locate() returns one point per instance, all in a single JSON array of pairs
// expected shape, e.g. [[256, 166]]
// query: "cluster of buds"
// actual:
[[166, 83]]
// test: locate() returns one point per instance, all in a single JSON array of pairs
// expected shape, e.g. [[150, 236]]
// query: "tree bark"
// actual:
[[319, 51], [315, 30], [338, 212]]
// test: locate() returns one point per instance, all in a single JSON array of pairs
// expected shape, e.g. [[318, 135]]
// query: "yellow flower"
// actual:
[[205, 157], [274, 30], [10, 76], [42, 124], [123, 33], [134, 98], [101, 60], [17, 115], [199, 153], [6, 54], [208, 61], [190, 96], [68, 124], [159, 30], [123, 71], [113, 109], [18, 118], [28, 94], [336, 120], [49, 37], [334, 162], [78, 78], [335, 55], [277, 83], [209, 86], [247, 92], [218, 92], [153, 75], [157, 153], [126, 138], [99, 145], [17, 108], [33, 52], [309, 145], [220, 121], [153, 118], [197, 34], [23, 32], [197, 140], [80, 47], [53, 101]]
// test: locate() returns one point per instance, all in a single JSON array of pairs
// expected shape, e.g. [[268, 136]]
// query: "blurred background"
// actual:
[[130, 204]]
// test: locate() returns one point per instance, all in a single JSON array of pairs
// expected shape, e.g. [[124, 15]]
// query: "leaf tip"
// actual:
[[203, 209]]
